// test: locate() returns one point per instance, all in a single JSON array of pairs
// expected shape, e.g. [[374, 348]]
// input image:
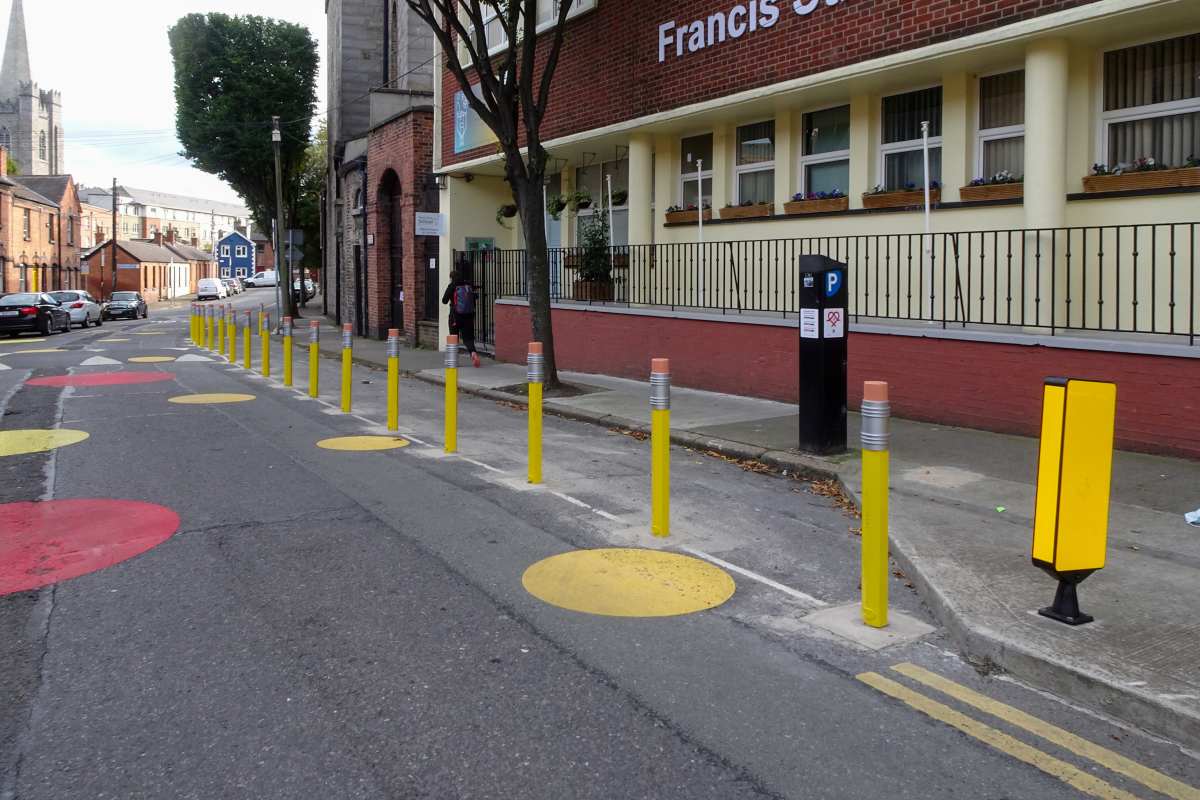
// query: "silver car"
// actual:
[[82, 306], [234, 286]]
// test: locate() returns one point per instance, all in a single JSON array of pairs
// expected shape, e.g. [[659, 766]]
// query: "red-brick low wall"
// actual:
[[985, 385]]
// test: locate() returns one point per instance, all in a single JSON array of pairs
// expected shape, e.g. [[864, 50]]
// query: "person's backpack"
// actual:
[[464, 299]]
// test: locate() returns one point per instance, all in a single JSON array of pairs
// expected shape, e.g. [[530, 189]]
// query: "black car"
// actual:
[[33, 311], [129, 305]]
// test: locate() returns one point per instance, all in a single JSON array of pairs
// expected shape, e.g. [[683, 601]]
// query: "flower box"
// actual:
[[593, 291], [746, 212], [684, 217], [992, 191], [816, 205], [1150, 179], [901, 199]]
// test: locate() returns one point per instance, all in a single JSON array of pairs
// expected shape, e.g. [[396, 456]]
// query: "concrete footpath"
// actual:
[[961, 522]]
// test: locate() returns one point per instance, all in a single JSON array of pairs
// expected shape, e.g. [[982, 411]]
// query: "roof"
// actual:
[[232, 234], [25, 193], [52, 186], [142, 251], [148, 197], [187, 252]]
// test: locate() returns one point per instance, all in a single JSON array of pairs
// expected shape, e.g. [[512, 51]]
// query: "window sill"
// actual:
[[851, 212], [1134, 193]]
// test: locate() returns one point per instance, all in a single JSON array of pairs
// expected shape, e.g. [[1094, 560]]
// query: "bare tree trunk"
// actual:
[[530, 197]]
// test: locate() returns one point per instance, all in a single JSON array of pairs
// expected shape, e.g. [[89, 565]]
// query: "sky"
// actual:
[[112, 63]]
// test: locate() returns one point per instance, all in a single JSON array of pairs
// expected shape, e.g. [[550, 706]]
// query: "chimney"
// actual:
[[195, 243], [170, 236], [158, 238]]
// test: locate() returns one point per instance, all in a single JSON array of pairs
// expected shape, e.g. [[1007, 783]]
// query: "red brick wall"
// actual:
[[995, 387], [403, 147], [603, 48]]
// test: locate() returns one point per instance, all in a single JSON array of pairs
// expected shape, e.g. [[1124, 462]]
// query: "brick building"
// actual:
[[29, 233], [805, 127], [67, 236], [159, 269]]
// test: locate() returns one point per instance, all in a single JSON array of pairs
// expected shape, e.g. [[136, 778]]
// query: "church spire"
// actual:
[[15, 69]]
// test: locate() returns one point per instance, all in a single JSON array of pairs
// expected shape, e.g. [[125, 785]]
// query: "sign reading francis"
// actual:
[[735, 23]]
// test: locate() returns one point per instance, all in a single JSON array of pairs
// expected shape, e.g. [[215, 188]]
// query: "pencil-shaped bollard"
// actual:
[[246, 351], [264, 338], [451, 429], [287, 351], [208, 327], [314, 355], [347, 363], [220, 320], [231, 333], [875, 414], [393, 379], [196, 324], [536, 366], [660, 447], [262, 309], [191, 327]]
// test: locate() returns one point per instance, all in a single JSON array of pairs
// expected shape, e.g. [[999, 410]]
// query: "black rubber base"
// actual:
[[1066, 606]]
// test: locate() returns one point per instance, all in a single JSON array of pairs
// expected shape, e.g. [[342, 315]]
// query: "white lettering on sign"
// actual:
[[835, 323], [743, 18], [809, 325]]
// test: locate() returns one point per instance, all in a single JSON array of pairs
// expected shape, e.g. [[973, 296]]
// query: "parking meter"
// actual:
[[823, 310]]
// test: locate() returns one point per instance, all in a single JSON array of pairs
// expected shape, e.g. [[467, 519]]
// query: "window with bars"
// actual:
[[1001, 145], [26, 223], [825, 151], [901, 145], [696, 171], [42, 145], [1152, 102], [754, 167]]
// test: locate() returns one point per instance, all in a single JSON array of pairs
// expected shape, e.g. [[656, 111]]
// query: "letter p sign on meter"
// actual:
[[833, 282]]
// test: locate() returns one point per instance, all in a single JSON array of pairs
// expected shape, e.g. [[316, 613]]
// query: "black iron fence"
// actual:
[[1112, 279]]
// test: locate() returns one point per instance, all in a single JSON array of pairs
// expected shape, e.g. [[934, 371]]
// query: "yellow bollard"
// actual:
[[264, 338], [536, 367], [875, 414], [314, 356], [231, 333], [393, 379], [208, 328], [192, 323], [287, 351], [347, 365], [246, 362], [660, 447], [451, 424], [220, 321]]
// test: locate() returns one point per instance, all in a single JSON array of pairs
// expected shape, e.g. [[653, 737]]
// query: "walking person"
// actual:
[[460, 296]]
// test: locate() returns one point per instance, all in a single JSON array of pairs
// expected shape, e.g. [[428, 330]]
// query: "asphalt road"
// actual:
[[354, 625]]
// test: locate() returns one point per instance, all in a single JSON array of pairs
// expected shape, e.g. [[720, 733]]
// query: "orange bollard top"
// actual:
[[312, 323], [287, 320], [452, 340], [875, 391], [660, 365], [393, 332], [535, 347], [347, 328]]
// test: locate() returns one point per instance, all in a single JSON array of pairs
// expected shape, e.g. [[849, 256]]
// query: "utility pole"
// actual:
[[114, 243], [282, 269]]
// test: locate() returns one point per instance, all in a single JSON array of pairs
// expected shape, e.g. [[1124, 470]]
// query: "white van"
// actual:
[[211, 289], [262, 279]]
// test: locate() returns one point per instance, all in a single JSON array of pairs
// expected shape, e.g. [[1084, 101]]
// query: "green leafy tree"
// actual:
[[307, 215], [232, 74]]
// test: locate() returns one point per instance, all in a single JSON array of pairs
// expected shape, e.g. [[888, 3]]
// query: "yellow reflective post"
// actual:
[[246, 352], [875, 414], [208, 327], [536, 366], [451, 415], [393, 379], [192, 323], [347, 364], [660, 447], [1070, 520], [264, 337], [314, 355], [287, 351], [220, 321], [231, 333]]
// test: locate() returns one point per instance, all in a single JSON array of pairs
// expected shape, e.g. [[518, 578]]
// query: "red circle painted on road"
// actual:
[[102, 379], [48, 542]]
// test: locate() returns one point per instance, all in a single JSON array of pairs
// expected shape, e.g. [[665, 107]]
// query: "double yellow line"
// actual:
[[1063, 771]]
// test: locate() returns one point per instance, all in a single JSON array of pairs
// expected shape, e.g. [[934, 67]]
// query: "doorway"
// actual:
[[391, 202]]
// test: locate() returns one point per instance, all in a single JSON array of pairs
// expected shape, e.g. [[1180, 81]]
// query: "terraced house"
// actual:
[[715, 141]]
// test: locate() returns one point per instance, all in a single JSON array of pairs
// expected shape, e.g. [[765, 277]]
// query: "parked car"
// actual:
[[129, 305], [211, 289], [232, 285], [260, 279], [33, 311], [310, 291], [83, 308]]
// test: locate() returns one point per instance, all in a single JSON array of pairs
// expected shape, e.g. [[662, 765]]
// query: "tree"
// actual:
[[307, 214], [510, 93], [232, 74]]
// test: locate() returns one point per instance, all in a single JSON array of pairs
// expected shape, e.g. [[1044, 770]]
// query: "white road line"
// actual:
[[571, 500], [763, 579], [606, 515]]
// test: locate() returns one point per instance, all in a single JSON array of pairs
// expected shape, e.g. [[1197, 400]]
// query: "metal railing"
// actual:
[[1139, 279]]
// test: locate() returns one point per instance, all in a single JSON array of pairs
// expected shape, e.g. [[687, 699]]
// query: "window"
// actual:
[[825, 151], [241, 251], [594, 181], [1152, 102], [754, 170], [70, 230], [547, 13], [901, 146], [27, 221], [50, 226], [695, 185], [42, 145], [224, 251], [5, 138], [1001, 124]]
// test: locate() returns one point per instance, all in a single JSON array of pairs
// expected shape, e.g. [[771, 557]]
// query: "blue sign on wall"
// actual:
[[469, 130]]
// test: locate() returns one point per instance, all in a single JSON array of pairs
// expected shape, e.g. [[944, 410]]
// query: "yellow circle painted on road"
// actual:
[[363, 444], [19, 442], [37, 350], [620, 582], [151, 359], [21, 341], [207, 399]]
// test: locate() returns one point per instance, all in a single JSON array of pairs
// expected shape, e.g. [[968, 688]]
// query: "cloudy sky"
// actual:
[[112, 63]]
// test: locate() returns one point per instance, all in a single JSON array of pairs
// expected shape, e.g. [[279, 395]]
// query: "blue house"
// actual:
[[235, 256]]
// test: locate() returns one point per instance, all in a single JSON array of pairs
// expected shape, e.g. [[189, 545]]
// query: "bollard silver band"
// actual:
[[393, 347], [452, 357], [287, 328], [347, 340], [875, 429], [660, 391], [536, 365], [267, 324], [314, 334]]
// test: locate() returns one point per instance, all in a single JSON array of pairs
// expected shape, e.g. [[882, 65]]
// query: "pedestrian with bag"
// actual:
[[460, 296]]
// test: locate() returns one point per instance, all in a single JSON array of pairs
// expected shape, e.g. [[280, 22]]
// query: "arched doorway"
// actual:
[[391, 247]]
